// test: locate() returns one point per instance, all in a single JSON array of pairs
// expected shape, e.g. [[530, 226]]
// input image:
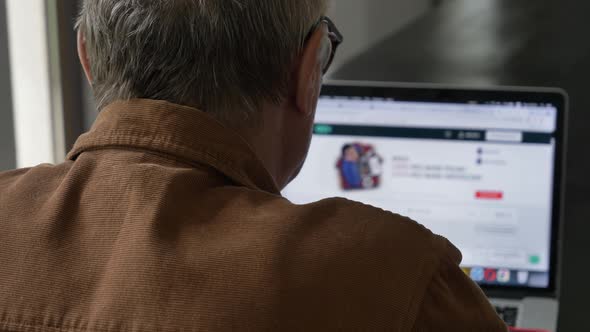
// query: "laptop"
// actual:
[[482, 167]]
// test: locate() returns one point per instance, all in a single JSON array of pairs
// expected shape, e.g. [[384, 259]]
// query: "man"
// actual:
[[350, 167], [167, 215]]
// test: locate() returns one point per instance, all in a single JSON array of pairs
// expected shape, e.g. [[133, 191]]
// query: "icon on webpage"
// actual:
[[477, 274], [493, 195], [522, 277], [504, 276], [490, 275], [535, 259], [466, 270], [360, 167]]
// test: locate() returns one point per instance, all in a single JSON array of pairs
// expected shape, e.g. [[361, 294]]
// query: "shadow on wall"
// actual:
[[365, 23]]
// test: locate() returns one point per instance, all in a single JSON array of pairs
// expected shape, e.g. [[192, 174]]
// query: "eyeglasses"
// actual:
[[335, 36]]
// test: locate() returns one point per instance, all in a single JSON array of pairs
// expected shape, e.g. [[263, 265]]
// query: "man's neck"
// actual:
[[265, 135]]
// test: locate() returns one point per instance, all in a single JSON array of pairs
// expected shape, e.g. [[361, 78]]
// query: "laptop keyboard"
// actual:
[[508, 314]]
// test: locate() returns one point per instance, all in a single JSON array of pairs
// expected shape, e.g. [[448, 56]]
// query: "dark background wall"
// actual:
[[7, 144]]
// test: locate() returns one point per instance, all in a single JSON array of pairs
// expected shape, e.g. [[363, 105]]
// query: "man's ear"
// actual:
[[83, 56], [309, 73]]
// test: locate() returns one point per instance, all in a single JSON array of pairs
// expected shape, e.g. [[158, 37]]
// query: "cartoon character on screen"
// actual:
[[371, 167], [360, 167]]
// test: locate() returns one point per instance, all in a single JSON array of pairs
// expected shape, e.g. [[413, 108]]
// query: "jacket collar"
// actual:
[[179, 131]]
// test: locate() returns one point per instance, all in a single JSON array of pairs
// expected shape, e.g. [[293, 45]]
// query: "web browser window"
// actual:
[[480, 175]]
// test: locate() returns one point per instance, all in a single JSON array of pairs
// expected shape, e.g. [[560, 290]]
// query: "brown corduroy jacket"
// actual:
[[161, 219]]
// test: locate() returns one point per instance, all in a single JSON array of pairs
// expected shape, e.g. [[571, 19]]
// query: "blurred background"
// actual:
[[45, 103]]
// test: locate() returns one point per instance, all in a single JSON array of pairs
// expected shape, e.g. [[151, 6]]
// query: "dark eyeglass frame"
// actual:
[[334, 34]]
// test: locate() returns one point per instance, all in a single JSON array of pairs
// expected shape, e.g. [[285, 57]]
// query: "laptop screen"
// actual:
[[479, 172]]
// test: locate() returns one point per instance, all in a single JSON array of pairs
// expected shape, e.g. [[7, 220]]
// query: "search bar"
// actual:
[[504, 136]]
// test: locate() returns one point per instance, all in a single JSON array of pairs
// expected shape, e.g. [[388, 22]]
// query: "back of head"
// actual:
[[225, 57]]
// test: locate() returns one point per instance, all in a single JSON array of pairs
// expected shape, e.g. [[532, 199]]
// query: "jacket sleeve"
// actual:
[[453, 302]]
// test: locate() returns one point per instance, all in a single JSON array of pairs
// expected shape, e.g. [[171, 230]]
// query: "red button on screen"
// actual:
[[492, 195]]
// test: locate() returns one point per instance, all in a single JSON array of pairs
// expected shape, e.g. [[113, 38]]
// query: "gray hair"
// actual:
[[222, 56]]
